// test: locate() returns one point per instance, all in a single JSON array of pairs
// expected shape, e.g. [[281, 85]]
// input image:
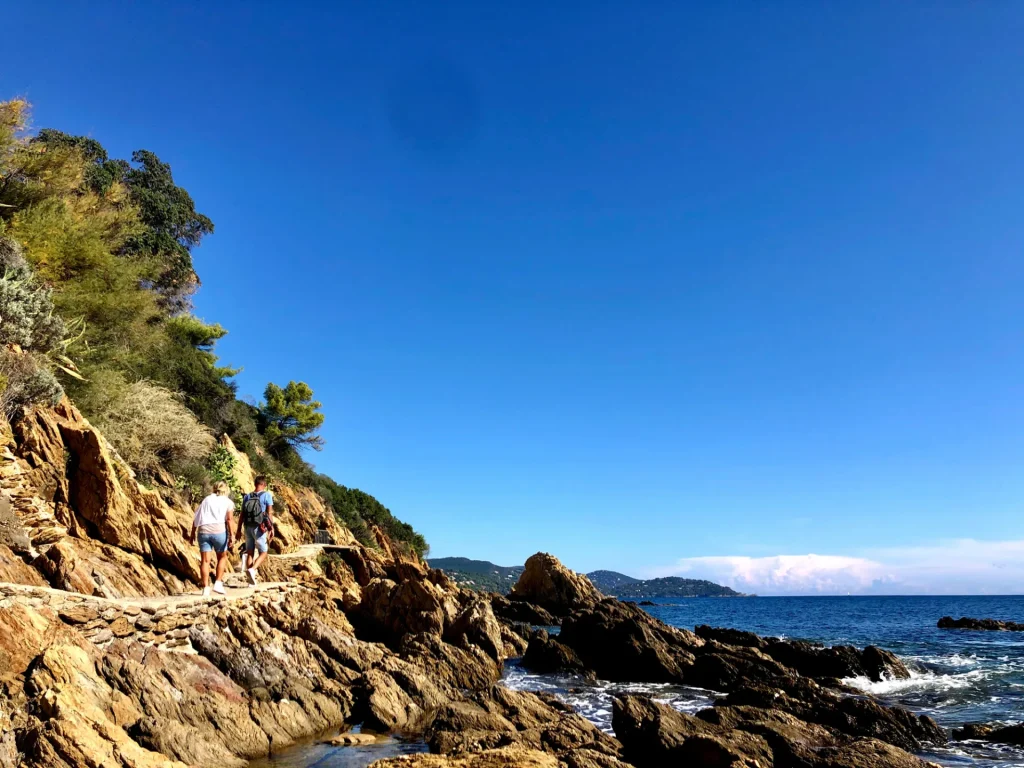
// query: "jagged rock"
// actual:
[[653, 734], [501, 716], [14, 570], [522, 612], [973, 731], [838, 661], [948, 622], [621, 641], [855, 716], [552, 586], [389, 611], [507, 757], [12, 532], [813, 660], [476, 625], [656, 735], [997, 734], [546, 655]]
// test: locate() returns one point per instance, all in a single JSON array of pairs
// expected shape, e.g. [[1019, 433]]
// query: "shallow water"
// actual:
[[958, 675], [316, 755]]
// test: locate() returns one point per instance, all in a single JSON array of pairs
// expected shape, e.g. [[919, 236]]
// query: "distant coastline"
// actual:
[[485, 576]]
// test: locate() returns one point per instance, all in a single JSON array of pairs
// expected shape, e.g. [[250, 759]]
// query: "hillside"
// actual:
[[480, 575], [607, 581], [97, 280], [670, 586], [485, 576]]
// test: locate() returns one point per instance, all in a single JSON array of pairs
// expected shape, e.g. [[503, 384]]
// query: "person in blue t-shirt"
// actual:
[[257, 520]]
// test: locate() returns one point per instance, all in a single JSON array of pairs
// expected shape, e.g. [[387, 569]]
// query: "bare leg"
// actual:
[[259, 559], [222, 562], [204, 569]]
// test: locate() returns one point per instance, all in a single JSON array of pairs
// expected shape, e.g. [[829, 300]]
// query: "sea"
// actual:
[[957, 676]]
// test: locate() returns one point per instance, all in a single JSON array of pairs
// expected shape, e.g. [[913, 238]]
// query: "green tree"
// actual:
[[290, 418]]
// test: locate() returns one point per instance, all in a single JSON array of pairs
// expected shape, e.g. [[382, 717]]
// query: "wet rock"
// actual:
[[552, 586], [855, 716], [507, 757], [654, 735], [839, 661], [997, 734], [546, 655], [948, 622], [501, 716], [620, 641]]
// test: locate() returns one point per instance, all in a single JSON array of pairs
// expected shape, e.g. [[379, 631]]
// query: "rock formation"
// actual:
[[994, 625], [552, 586]]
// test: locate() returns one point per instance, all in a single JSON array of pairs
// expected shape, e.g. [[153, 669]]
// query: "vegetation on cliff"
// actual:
[[96, 280]]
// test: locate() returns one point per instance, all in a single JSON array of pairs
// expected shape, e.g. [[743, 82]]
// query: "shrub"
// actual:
[[26, 308], [152, 429], [24, 381]]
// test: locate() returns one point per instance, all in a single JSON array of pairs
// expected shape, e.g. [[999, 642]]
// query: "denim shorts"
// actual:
[[213, 542], [254, 542]]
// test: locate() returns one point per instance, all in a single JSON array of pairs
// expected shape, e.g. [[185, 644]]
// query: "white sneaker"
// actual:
[[206, 591], [252, 576], [218, 587]]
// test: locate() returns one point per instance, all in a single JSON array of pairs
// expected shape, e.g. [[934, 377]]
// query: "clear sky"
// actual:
[[657, 287]]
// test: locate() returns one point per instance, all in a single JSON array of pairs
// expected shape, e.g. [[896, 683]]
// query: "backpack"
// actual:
[[252, 510]]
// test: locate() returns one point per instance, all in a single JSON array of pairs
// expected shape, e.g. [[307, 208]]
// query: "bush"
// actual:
[[26, 308], [152, 429], [25, 381]]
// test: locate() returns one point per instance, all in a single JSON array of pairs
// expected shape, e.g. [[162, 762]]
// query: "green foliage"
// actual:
[[107, 246], [290, 418], [221, 465], [171, 226]]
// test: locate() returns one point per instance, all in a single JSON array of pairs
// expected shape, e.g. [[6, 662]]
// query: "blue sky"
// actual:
[[637, 285]]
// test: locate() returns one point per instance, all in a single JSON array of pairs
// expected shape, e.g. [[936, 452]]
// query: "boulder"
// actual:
[[546, 655], [552, 586], [620, 641], [500, 716], [655, 735], [476, 625]]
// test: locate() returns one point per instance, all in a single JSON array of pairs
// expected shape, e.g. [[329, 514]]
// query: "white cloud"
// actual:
[[962, 566]]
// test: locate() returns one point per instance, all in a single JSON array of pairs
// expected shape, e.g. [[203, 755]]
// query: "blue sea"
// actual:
[[958, 675]]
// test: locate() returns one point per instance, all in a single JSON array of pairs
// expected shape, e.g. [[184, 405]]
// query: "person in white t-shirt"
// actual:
[[212, 526]]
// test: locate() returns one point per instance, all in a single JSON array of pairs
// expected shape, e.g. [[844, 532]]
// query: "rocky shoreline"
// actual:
[[102, 664]]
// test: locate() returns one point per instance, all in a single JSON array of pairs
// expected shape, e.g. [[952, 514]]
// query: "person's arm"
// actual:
[[192, 533], [270, 516], [241, 520], [229, 523]]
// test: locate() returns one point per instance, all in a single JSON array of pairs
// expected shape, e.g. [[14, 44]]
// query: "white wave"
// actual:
[[918, 681]]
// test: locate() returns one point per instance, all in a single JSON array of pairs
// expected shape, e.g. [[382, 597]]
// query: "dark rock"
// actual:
[[854, 716], [948, 622], [522, 612], [656, 735], [839, 661], [997, 734], [729, 636], [621, 641], [973, 731], [647, 602], [546, 655]]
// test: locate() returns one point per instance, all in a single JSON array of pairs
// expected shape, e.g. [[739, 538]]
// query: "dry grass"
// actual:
[[152, 429]]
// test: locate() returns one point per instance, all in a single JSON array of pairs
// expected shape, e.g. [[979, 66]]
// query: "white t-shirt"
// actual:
[[212, 514]]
